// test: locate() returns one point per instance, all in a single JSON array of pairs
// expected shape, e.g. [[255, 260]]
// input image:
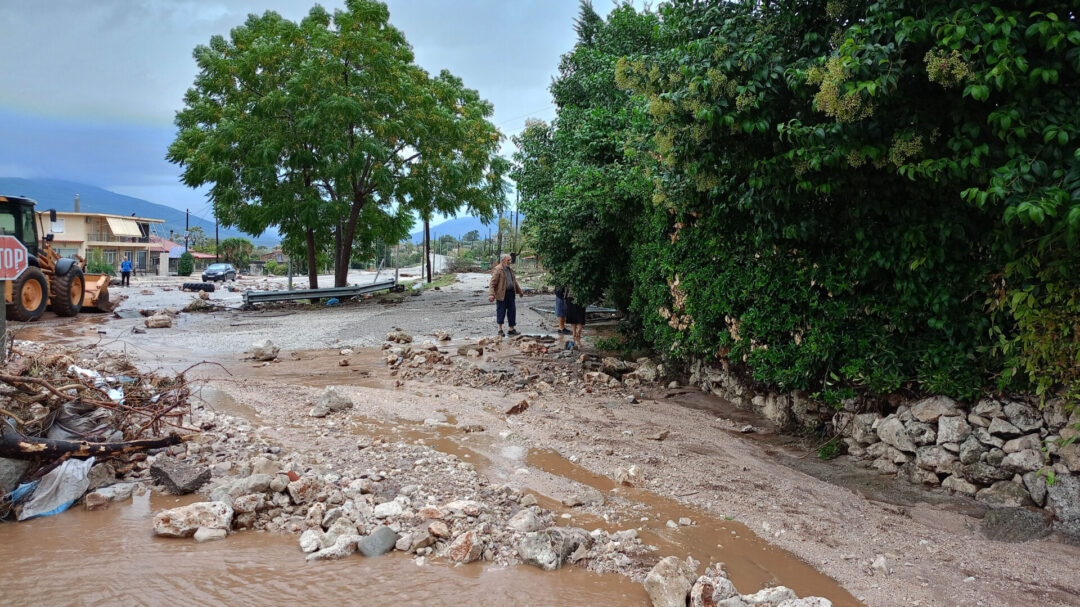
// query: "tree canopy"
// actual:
[[329, 130], [845, 197]]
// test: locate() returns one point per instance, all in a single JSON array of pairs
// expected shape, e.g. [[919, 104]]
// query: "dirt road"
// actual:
[[752, 500]]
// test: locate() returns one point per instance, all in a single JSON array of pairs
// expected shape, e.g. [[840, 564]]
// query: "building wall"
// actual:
[[83, 235]]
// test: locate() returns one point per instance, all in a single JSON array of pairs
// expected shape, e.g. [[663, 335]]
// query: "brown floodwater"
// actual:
[[110, 557]]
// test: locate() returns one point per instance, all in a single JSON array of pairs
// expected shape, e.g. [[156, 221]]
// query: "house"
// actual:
[[167, 255], [101, 236]]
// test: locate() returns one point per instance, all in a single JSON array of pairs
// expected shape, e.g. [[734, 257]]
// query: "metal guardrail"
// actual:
[[253, 297]]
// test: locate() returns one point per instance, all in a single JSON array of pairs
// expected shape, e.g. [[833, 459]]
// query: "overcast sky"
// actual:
[[90, 88]]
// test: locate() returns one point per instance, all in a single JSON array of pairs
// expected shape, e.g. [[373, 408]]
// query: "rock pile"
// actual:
[[672, 581]]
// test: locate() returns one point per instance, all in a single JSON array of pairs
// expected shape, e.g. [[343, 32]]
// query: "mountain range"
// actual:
[[456, 227], [60, 195]]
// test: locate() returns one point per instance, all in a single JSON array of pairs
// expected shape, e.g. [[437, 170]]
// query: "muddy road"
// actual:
[[752, 501]]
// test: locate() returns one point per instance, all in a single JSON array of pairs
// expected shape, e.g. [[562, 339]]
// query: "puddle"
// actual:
[[751, 562], [110, 557], [54, 329]]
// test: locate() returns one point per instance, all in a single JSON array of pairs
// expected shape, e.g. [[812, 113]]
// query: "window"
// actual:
[[7, 223], [110, 257], [67, 252], [58, 226], [140, 257]]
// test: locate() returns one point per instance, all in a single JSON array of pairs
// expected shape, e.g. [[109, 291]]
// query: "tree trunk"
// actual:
[[313, 269], [15, 445], [427, 248], [344, 246]]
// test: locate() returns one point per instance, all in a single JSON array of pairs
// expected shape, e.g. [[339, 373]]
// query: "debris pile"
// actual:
[[71, 421]]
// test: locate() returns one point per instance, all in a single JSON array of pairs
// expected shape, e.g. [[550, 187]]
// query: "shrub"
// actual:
[[186, 265]]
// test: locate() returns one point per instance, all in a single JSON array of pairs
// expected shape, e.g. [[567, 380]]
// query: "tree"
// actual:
[[471, 236], [186, 264], [236, 251], [327, 129]]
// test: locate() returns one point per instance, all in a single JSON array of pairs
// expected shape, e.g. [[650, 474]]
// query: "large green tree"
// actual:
[[237, 251], [329, 130]]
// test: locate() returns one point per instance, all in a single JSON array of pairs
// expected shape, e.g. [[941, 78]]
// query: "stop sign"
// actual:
[[13, 258]]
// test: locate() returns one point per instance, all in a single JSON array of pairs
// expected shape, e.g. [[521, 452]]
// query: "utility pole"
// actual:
[[217, 243], [187, 227]]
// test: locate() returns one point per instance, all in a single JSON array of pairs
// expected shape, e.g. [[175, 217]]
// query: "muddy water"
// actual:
[[110, 558], [751, 562]]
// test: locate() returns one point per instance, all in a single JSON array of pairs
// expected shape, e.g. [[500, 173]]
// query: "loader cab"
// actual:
[[17, 219]]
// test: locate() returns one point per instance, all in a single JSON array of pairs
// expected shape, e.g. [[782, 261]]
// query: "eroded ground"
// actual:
[[754, 502]]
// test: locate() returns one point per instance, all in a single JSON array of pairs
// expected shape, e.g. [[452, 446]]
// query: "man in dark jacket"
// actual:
[[504, 289]]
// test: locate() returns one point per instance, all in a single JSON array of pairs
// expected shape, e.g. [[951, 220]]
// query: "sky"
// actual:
[[90, 89]]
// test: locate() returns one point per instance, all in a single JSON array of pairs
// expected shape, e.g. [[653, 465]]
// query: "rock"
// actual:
[[207, 534], [11, 473], [880, 565], [344, 546], [970, 450], [264, 465], [984, 474], [1015, 525], [862, 429], [934, 458], [708, 590], [810, 601], [528, 500], [952, 429], [311, 540], [330, 400], [177, 477], [442, 335], [550, 548], [959, 485], [1026, 418], [884, 466], [985, 437], [994, 457], [252, 502], [279, 483], [186, 520], [988, 408], [1063, 501], [1031, 441], [465, 548], [892, 432], [378, 542], [573, 501], [930, 409], [525, 521], [658, 436], [400, 337], [1004, 494], [438, 529], [630, 477], [978, 420], [101, 475], [917, 475], [613, 366], [766, 597], [304, 490], [921, 434], [340, 527], [1020, 462], [467, 507], [96, 500], [264, 350], [521, 407], [1035, 483], [388, 509], [887, 451], [670, 581], [1070, 456], [1001, 427], [158, 321], [1055, 414]]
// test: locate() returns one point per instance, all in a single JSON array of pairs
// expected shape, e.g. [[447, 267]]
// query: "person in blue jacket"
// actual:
[[125, 272]]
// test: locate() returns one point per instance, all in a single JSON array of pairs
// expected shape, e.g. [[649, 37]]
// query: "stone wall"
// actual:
[[1003, 453]]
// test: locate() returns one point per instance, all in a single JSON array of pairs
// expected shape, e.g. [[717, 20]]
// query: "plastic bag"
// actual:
[[58, 490]]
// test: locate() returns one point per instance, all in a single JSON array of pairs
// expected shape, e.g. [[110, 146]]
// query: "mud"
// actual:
[[109, 558]]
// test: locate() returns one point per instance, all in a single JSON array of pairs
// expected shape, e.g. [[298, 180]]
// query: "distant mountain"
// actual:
[[456, 227], [60, 195]]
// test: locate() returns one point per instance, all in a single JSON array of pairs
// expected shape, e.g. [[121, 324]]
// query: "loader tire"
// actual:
[[29, 295], [199, 286], [68, 293]]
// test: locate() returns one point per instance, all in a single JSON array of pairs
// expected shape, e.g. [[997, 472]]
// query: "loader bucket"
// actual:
[[97, 293]]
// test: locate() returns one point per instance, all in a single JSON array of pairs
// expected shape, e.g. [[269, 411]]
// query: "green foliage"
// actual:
[[838, 196], [275, 269], [236, 251], [95, 263], [186, 264], [830, 450], [329, 130]]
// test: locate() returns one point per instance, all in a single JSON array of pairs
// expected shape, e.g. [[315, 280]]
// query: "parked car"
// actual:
[[219, 271]]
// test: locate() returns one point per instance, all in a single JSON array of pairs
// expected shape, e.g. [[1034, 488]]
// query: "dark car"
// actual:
[[219, 271]]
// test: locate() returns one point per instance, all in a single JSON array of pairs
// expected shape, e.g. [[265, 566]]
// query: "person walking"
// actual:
[[504, 289], [560, 310], [125, 273], [575, 315]]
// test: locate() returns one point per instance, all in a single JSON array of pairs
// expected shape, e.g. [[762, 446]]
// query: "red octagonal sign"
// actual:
[[13, 258]]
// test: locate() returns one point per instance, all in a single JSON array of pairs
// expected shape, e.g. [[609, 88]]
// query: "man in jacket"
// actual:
[[504, 289], [125, 273]]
